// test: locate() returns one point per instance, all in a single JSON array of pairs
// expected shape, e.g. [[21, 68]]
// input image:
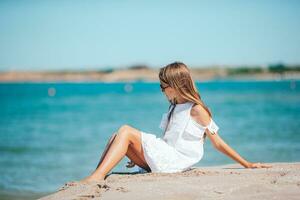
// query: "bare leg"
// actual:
[[106, 148], [132, 154], [136, 158], [127, 138], [100, 161]]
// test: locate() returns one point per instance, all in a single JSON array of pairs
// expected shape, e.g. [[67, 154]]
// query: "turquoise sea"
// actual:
[[51, 133]]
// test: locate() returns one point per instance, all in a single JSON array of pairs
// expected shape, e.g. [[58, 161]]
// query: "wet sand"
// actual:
[[233, 181]]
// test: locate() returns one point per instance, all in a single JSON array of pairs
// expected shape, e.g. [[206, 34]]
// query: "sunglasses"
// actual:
[[163, 88]]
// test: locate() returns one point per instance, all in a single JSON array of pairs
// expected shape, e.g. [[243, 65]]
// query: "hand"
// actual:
[[258, 165], [130, 164]]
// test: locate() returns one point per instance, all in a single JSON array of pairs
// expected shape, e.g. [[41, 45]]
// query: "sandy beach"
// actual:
[[233, 181]]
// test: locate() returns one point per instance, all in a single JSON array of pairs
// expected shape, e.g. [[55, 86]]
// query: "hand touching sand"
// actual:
[[130, 164]]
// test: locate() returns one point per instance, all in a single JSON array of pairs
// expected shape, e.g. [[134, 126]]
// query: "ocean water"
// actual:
[[51, 133]]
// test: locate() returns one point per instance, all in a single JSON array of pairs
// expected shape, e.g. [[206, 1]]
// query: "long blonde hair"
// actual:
[[178, 76]]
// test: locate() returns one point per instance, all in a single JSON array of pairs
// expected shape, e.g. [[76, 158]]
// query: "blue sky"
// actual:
[[99, 34]]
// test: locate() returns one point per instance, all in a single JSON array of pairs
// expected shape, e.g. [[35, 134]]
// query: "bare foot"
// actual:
[[86, 180]]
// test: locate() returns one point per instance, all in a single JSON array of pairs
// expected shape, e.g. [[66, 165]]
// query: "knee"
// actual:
[[124, 130]]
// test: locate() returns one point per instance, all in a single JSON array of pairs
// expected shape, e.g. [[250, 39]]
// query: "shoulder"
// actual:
[[200, 115]]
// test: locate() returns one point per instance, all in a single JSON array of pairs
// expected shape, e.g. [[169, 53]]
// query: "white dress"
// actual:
[[182, 145]]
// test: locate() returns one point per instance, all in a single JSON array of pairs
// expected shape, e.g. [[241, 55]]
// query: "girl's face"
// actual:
[[168, 90]]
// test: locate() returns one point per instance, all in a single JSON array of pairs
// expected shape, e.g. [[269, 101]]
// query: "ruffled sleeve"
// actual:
[[212, 126]]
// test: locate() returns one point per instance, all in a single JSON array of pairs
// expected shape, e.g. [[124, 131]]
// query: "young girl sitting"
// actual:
[[185, 125]]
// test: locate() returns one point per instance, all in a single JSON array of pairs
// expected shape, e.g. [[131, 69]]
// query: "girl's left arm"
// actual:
[[201, 116], [220, 144]]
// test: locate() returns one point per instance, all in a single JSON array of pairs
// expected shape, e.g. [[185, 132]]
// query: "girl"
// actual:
[[185, 125]]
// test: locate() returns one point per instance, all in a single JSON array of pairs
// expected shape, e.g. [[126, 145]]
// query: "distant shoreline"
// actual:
[[150, 75], [144, 81]]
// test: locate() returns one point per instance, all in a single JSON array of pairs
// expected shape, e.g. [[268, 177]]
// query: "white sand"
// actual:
[[282, 181]]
